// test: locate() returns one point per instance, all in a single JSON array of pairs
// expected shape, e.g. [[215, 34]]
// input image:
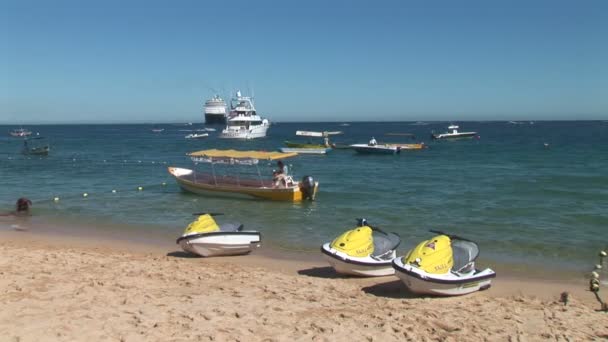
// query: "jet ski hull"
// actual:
[[220, 243], [363, 267], [448, 284]]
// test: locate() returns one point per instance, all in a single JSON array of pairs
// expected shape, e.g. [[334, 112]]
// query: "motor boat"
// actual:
[[36, 146], [376, 149], [364, 251], [279, 187], [310, 147], [443, 265], [454, 134], [20, 132], [206, 238], [196, 135], [243, 121]]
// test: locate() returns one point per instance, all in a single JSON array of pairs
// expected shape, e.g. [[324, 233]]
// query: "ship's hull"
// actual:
[[215, 119]]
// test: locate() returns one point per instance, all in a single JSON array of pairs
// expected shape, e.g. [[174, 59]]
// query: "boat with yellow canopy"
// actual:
[[223, 181]]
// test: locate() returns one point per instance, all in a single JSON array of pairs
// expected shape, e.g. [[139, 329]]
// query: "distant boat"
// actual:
[[196, 136], [36, 146], [376, 149], [454, 134], [344, 124], [419, 123], [244, 122], [310, 147], [20, 132], [157, 130], [215, 111]]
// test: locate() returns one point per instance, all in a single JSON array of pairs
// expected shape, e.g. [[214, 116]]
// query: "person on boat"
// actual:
[[280, 176], [326, 141], [373, 142]]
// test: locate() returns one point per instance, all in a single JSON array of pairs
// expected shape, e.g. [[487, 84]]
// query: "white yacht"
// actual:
[[243, 121], [215, 111]]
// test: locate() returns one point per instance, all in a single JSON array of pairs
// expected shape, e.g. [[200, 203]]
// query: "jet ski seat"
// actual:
[[231, 227], [384, 243], [464, 253]]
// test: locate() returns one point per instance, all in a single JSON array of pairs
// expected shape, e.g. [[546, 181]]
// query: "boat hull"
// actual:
[[451, 136], [202, 185], [418, 281], [375, 149], [362, 267], [252, 133], [215, 119], [305, 150], [221, 243]]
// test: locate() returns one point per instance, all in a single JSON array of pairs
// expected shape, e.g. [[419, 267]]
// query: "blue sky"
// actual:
[[157, 61]]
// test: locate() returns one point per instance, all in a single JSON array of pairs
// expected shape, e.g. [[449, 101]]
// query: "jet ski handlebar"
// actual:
[[212, 214], [451, 236], [363, 222]]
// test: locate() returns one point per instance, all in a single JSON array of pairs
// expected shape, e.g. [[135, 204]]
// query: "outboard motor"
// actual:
[[307, 186]]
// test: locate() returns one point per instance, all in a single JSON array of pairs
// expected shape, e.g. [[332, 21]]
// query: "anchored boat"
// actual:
[[454, 134], [443, 265], [279, 187], [36, 146], [206, 238], [310, 147]]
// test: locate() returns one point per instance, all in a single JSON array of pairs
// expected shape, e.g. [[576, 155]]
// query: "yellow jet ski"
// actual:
[[443, 265], [206, 238], [363, 251]]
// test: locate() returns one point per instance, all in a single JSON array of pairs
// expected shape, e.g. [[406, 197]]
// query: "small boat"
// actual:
[[443, 265], [278, 188], [309, 147], [206, 238], [372, 147], [36, 146], [20, 132], [196, 135], [454, 134], [157, 130], [364, 251]]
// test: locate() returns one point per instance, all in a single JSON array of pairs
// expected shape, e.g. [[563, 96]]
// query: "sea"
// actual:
[[531, 193]]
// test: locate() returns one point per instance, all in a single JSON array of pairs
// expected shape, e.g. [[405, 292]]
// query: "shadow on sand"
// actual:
[[181, 254], [392, 289], [321, 272]]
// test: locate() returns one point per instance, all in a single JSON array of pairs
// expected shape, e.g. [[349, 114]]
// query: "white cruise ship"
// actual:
[[215, 111], [243, 121]]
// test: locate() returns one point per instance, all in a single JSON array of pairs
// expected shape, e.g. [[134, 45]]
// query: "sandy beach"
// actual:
[[56, 288]]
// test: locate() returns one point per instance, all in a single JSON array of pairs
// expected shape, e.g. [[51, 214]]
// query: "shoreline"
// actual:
[[110, 238], [72, 288]]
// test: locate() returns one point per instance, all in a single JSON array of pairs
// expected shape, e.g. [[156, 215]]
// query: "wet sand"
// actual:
[[107, 287]]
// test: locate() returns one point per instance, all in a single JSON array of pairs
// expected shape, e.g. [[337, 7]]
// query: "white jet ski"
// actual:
[[443, 265], [363, 251], [205, 238]]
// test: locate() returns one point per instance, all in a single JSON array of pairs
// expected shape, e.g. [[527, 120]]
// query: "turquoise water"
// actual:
[[521, 201]]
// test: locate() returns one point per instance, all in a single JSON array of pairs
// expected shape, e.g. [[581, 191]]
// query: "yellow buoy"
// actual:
[[163, 183], [85, 195], [113, 191], [56, 199], [140, 188]]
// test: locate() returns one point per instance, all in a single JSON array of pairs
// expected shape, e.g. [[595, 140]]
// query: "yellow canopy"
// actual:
[[241, 154]]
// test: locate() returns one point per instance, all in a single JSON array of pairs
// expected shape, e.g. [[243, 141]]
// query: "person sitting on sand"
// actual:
[[22, 208]]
